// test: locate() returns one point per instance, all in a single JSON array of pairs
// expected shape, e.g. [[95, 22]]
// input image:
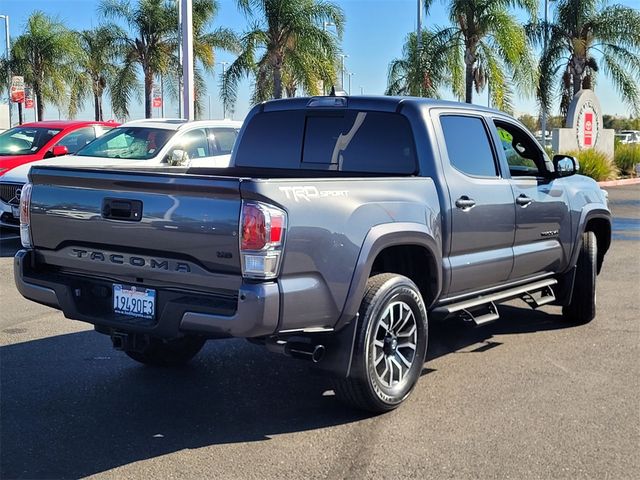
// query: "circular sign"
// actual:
[[587, 125]]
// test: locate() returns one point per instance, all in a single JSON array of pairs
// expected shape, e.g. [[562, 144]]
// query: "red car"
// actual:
[[52, 138]]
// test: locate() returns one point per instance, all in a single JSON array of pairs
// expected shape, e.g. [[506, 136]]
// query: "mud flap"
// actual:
[[339, 350]]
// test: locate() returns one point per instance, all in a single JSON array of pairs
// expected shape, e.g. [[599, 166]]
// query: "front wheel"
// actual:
[[168, 353], [390, 346], [582, 308]]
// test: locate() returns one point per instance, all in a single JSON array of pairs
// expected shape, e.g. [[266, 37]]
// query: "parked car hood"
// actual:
[[7, 162]]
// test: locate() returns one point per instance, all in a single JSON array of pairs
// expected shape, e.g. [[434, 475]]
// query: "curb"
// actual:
[[620, 183]]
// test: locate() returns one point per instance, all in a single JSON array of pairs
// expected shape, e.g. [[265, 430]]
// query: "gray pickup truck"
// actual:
[[342, 226]]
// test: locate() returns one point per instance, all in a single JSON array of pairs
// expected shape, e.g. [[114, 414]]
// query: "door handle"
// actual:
[[523, 200], [465, 203]]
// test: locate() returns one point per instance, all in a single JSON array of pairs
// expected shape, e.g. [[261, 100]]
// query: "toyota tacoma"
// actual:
[[341, 227]]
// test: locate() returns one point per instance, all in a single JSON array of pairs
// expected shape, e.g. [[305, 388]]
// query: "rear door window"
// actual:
[[468, 145]]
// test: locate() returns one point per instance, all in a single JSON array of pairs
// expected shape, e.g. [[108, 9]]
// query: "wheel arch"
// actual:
[[598, 221], [393, 248]]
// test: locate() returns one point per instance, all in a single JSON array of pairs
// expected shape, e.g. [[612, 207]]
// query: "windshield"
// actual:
[[132, 143], [25, 140]]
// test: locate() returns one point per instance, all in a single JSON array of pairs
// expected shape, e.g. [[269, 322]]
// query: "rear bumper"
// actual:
[[254, 312]]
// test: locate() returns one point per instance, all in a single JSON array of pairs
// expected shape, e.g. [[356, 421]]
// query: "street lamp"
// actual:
[[343, 56], [361, 90], [224, 106], [351, 74], [543, 120], [8, 49]]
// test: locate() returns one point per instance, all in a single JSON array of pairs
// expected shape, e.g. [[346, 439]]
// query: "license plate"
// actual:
[[134, 301], [15, 211]]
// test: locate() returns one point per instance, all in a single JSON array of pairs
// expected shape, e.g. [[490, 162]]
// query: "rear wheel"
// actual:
[[390, 346], [168, 353], [582, 308]]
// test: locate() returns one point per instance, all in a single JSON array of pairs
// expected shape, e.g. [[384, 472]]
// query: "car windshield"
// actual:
[[132, 143], [25, 140]]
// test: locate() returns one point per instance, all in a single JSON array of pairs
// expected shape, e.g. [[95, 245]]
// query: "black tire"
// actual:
[[582, 308], [365, 387], [168, 353]]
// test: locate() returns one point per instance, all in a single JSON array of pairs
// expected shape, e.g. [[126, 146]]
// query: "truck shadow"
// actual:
[[72, 407]]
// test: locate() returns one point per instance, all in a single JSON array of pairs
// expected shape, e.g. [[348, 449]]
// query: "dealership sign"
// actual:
[[17, 89], [584, 128], [585, 118]]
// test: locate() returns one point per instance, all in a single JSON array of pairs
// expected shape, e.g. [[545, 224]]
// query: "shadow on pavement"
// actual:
[[72, 407], [9, 242]]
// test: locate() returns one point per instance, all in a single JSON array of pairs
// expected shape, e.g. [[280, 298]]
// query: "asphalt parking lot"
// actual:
[[528, 396]]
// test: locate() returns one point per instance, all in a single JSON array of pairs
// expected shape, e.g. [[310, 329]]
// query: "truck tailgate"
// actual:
[[138, 226]]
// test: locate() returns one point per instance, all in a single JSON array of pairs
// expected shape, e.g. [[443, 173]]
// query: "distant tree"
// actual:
[[530, 122], [152, 42], [421, 73], [45, 56], [98, 70], [286, 47], [491, 48], [580, 30]]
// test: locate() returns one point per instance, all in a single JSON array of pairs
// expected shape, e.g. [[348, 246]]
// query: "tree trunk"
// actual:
[[469, 60], [97, 107], [277, 77], [39, 102], [468, 83], [19, 114], [148, 87]]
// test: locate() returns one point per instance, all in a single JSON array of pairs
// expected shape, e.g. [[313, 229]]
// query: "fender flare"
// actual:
[[588, 213], [377, 239]]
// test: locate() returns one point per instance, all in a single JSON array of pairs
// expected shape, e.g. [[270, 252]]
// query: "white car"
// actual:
[[161, 142]]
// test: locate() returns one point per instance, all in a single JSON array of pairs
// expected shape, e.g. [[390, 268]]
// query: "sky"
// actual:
[[374, 34]]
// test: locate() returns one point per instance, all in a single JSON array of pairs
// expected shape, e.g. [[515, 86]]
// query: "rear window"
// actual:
[[349, 141]]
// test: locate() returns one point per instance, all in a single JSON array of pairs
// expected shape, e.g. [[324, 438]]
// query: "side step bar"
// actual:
[[483, 309]]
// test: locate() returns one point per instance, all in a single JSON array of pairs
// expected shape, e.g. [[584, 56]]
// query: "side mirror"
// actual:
[[59, 150], [178, 158], [565, 165]]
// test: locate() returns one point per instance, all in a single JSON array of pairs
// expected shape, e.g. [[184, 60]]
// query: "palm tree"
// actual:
[[44, 55], [420, 74], [580, 30], [490, 47], [286, 48], [153, 41], [97, 70]]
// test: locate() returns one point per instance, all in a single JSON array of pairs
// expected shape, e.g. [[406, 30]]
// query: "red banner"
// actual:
[[28, 97], [17, 89], [156, 97]]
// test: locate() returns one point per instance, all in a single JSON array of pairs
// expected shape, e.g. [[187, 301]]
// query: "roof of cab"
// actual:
[[370, 102]]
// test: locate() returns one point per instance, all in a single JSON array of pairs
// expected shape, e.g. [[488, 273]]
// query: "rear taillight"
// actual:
[[262, 232], [25, 215]]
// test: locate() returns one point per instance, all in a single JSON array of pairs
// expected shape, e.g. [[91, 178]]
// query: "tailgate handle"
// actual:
[[122, 209]]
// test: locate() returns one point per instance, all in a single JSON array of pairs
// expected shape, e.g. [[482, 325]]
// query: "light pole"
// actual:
[[224, 106], [361, 90], [350, 74], [419, 27], [543, 120], [8, 50], [187, 59], [343, 56], [324, 29]]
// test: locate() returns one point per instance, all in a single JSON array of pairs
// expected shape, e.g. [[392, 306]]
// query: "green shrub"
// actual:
[[595, 164], [626, 157]]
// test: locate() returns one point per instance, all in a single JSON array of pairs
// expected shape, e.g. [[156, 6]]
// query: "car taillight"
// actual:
[[25, 215], [262, 232]]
